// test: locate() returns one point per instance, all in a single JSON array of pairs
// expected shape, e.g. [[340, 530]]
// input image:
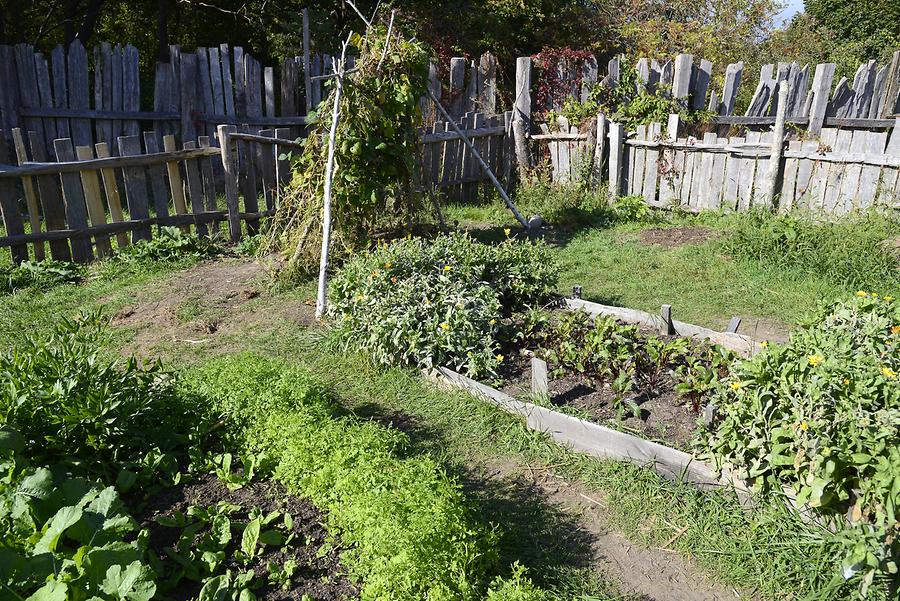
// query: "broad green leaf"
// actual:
[[250, 537], [216, 588], [134, 583], [52, 591], [12, 440], [63, 520]]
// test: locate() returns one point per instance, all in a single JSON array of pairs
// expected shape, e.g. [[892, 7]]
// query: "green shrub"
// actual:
[[820, 415], [73, 405], [851, 251], [408, 530], [40, 274], [169, 244], [437, 302]]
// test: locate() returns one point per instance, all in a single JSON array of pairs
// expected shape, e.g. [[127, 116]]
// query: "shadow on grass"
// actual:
[[534, 530]]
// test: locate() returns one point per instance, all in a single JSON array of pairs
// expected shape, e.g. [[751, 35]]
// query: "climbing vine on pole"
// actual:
[[375, 160]]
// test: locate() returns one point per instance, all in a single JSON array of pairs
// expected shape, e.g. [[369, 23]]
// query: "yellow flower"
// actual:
[[499, 358], [889, 373], [447, 268], [360, 297], [374, 273], [804, 426], [387, 265], [735, 385], [846, 381], [888, 298], [506, 231], [874, 295], [394, 279], [861, 293], [492, 322], [445, 326], [895, 330], [815, 360], [764, 343]]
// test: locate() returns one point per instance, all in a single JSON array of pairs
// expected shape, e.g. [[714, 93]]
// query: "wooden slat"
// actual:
[[836, 172], [805, 166], [215, 77], [890, 101], [103, 90], [204, 86], [157, 175], [789, 179], [269, 86], [818, 180], [60, 88], [31, 197], [869, 174], [117, 96], [889, 188], [45, 93], [135, 186], [637, 177], [227, 84], [564, 156], [28, 88], [267, 170], [821, 88], [195, 187], [9, 97], [863, 89], [131, 88], [92, 196], [849, 184], [9, 209], [651, 176], [189, 102], [111, 187], [249, 179], [78, 93], [73, 194], [701, 85], [616, 148], [282, 165], [51, 201], [176, 184], [209, 184], [732, 178], [877, 93]]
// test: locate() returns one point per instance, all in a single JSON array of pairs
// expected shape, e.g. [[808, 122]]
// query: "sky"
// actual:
[[791, 8]]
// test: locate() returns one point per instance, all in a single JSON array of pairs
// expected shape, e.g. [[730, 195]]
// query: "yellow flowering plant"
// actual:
[[437, 302], [819, 414]]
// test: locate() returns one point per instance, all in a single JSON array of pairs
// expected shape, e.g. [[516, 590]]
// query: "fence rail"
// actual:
[[79, 202]]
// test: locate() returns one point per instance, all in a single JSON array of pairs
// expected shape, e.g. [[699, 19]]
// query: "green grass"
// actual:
[[771, 271]]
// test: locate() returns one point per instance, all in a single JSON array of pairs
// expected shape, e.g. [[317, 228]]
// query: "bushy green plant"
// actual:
[[408, 531], [39, 274], [169, 244], [438, 302], [820, 415], [73, 405], [851, 251]]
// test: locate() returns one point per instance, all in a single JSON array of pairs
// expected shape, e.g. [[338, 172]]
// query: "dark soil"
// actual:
[[319, 574], [674, 237], [663, 415]]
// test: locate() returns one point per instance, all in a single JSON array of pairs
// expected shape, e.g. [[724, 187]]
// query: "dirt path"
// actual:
[[210, 308]]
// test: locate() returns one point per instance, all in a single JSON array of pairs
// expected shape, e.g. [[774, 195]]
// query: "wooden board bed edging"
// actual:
[[594, 439], [743, 345]]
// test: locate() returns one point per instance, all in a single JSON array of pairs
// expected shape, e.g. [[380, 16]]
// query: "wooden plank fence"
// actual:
[[842, 171], [448, 168], [87, 198]]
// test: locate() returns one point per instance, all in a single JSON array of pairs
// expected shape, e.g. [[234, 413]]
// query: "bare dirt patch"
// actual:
[[675, 237], [205, 305], [570, 527]]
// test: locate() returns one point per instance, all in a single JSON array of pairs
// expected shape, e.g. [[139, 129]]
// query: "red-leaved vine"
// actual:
[[559, 74]]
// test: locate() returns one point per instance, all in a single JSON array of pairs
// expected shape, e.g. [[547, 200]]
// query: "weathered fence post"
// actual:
[[457, 81], [777, 146], [616, 149], [522, 113], [599, 150], [231, 180]]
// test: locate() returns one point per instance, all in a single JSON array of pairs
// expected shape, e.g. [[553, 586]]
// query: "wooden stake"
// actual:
[[777, 146], [484, 165], [321, 299]]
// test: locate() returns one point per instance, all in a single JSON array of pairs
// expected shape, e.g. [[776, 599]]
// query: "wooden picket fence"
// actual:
[[839, 172], [87, 200], [449, 168]]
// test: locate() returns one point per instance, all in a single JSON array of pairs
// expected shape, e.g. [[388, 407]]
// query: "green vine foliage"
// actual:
[[375, 152], [629, 103]]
